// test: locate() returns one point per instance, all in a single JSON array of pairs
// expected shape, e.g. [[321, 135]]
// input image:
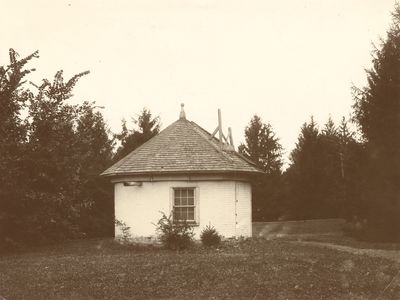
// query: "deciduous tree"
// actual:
[[13, 99], [54, 161], [94, 148]]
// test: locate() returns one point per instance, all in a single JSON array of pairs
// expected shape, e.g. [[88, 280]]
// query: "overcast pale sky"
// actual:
[[284, 60]]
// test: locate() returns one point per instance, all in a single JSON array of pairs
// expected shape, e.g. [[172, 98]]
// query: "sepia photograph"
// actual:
[[200, 149]]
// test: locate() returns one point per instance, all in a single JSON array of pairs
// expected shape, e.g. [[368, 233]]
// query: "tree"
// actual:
[[377, 110], [54, 162], [263, 147], [352, 169], [324, 179], [50, 162], [304, 174], [147, 127], [94, 149], [13, 99], [330, 163]]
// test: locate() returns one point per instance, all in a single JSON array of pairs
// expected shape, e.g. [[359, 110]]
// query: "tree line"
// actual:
[[323, 179], [51, 153], [333, 171]]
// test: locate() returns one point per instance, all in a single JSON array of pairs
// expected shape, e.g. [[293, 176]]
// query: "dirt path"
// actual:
[[393, 255]]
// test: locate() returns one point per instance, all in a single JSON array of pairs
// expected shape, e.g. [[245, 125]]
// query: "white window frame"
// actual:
[[194, 222]]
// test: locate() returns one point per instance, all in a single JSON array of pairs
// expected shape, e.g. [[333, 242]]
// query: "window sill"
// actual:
[[192, 224]]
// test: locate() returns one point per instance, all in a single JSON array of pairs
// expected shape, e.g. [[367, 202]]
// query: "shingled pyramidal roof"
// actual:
[[182, 147]]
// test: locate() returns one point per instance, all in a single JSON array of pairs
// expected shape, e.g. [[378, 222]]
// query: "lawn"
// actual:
[[256, 269], [342, 240]]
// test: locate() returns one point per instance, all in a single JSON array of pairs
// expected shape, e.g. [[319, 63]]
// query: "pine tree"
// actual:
[[304, 175], [263, 147], [324, 178], [377, 111], [331, 165], [352, 170], [147, 127]]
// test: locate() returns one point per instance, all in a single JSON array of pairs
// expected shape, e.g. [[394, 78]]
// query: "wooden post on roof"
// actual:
[[220, 127], [214, 132], [230, 137]]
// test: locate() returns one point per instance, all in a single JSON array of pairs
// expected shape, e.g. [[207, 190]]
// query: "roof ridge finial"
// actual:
[[182, 115]]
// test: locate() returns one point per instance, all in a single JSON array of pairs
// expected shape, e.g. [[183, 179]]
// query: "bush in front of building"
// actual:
[[210, 237], [174, 235], [125, 237]]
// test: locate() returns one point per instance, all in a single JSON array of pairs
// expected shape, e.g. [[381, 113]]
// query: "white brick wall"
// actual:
[[243, 209], [139, 206]]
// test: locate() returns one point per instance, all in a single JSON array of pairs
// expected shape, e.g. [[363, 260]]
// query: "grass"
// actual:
[[343, 241], [256, 269]]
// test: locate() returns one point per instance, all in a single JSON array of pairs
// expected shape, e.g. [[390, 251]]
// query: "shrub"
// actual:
[[210, 237], [174, 236], [126, 236]]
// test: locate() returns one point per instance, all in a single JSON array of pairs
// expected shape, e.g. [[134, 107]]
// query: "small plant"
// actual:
[[126, 236], [174, 236], [210, 237]]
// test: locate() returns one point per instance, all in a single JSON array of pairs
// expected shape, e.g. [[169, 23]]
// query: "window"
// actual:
[[184, 205]]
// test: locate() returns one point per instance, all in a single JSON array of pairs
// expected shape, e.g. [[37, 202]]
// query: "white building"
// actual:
[[186, 172]]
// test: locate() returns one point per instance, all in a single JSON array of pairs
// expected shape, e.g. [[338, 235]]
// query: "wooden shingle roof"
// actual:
[[182, 147]]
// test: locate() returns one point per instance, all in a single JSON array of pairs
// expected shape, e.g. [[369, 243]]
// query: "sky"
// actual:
[[282, 60]]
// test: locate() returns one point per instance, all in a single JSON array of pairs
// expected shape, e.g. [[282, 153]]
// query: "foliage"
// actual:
[[126, 236], [13, 135], [50, 161], [95, 150], [324, 177], [174, 235], [352, 157], [263, 148], [52, 142], [210, 237], [69, 147], [147, 127], [376, 111], [304, 174], [268, 194]]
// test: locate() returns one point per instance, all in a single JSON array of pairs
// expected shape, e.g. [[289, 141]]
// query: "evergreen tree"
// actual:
[[352, 170], [147, 127], [330, 180], [377, 111], [304, 175], [325, 175], [263, 147]]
